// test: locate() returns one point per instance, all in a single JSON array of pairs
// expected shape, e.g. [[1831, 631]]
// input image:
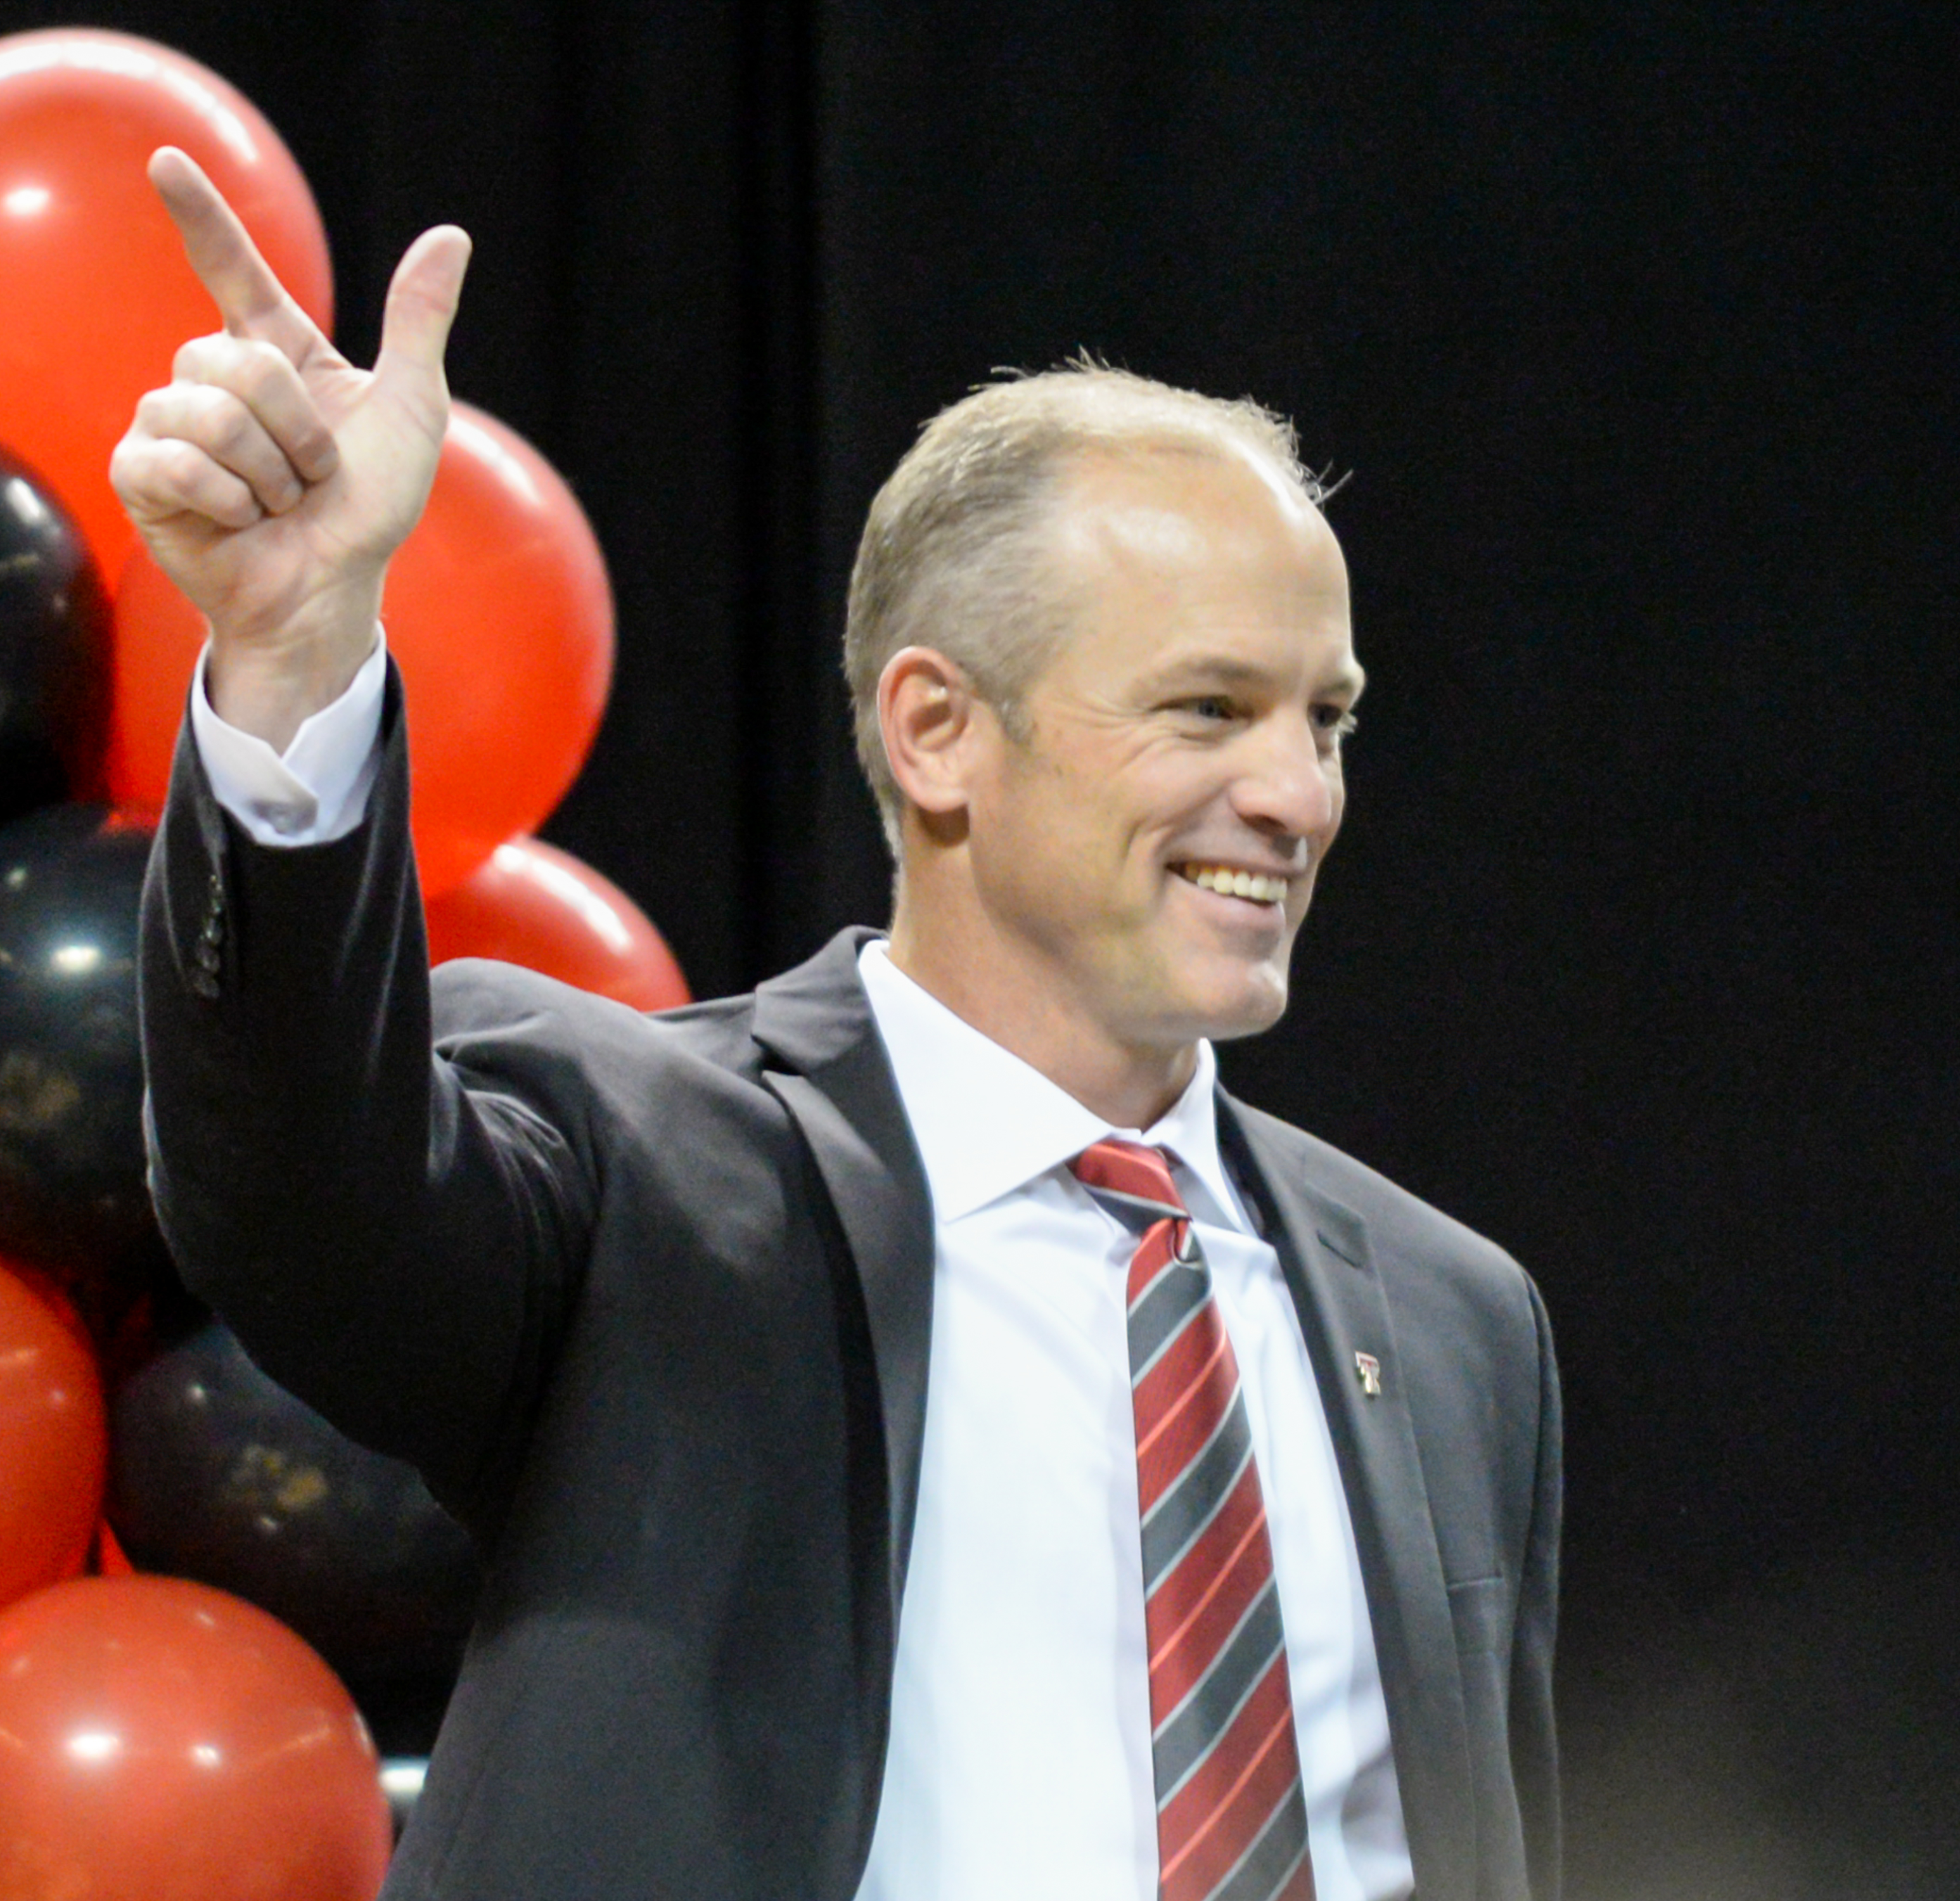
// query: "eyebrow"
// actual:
[[1348, 682]]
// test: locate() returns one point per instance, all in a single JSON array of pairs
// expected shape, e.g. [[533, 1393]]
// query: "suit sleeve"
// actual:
[[1533, 1739], [396, 1243]]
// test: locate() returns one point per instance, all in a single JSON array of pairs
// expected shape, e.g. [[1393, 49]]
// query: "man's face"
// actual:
[[1184, 740]]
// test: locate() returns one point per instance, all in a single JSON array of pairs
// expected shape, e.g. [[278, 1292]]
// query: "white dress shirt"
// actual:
[[1019, 1757], [1019, 1761]]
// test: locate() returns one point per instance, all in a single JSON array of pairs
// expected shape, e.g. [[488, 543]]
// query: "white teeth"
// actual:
[[1238, 884]]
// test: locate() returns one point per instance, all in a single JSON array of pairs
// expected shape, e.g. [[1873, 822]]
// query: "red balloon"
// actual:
[[167, 1740], [499, 615], [532, 905], [95, 294], [154, 642], [54, 1443]]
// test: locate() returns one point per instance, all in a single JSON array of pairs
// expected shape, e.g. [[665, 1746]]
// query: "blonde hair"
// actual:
[[954, 549]]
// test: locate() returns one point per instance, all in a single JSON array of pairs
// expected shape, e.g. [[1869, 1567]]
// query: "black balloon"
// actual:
[[218, 1473], [54, 649], [72, 1192]]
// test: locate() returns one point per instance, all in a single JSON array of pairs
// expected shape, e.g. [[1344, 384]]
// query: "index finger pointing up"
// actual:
[[252, 302]]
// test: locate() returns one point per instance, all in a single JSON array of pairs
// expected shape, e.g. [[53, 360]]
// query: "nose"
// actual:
[[1289, 787]]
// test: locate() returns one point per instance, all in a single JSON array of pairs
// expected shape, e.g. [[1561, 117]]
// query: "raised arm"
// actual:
[[395, 1237]]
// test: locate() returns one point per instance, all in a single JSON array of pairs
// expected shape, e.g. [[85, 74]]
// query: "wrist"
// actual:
[[269, 685]]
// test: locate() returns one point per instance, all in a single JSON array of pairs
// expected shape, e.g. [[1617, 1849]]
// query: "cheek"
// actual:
[[1176, 801], [1030, 846], [1090, 825]]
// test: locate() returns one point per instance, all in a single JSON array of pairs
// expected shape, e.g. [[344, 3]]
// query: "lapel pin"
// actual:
[[1370, 1370]]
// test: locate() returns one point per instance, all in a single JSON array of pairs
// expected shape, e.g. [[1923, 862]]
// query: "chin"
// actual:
[[1253, 1001], [1247, 1022]]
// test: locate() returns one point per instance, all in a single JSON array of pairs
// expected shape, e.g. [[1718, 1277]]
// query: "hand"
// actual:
[[272, 480]]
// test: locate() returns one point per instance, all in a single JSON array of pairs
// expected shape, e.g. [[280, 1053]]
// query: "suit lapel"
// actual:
[[1323, 1249], [837, 1084]]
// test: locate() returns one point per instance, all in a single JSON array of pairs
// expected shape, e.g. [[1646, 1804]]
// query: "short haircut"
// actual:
[[953, 551]]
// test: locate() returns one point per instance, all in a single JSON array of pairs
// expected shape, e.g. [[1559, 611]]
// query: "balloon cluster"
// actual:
[[194, 1567]]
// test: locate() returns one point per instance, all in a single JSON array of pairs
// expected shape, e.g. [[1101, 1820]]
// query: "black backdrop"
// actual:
[[1636, 327]]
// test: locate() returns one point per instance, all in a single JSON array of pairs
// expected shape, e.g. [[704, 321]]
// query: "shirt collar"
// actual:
[[986, 1122]]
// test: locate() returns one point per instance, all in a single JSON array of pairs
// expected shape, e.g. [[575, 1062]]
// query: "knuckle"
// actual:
[[198, 483], [227, 424], [125, 462], [188, 365], [260, 369], [227, 501], [182, 465], [272, 386]]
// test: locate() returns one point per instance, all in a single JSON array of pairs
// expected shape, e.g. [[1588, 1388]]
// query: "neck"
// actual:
[[1008, 993]]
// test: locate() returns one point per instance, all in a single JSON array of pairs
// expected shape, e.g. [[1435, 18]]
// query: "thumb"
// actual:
[[422, 305]]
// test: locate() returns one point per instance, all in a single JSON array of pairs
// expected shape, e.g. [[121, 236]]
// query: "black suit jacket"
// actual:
[[648, 1300]]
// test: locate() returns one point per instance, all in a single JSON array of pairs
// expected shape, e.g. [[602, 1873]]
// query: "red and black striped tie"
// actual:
[[1231, 1818]]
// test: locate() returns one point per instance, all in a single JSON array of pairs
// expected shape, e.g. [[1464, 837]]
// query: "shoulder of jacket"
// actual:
[[476, 998]]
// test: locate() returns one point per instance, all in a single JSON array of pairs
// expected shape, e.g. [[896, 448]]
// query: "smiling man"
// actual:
[[1107, 861], [930, 1444]]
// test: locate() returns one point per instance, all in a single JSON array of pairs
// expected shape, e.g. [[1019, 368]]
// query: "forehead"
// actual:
[[1167, 543]]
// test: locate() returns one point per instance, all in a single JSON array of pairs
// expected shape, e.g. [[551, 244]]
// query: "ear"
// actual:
[[935, 727]]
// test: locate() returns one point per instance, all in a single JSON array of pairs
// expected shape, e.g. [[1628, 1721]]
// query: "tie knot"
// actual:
[[1128, 1171]]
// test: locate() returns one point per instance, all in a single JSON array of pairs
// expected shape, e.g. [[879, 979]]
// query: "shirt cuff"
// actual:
[[317, 791]]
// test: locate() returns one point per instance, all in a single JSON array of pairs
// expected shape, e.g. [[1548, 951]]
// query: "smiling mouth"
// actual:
[[1254, 886]]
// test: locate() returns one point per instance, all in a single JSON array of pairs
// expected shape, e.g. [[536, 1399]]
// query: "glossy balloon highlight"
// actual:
[[532, 905], [73, 1195], [98, 296], [169, 1741]]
